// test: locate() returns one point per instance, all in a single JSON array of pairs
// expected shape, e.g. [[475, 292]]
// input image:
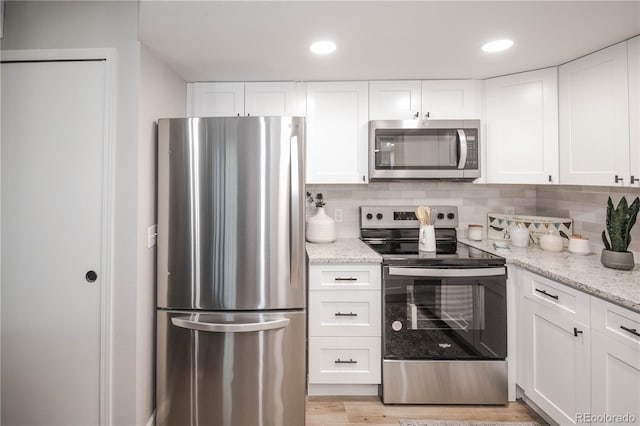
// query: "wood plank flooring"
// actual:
[[357, 411]]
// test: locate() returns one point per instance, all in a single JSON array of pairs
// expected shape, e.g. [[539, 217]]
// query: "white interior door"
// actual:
[[52, 150]]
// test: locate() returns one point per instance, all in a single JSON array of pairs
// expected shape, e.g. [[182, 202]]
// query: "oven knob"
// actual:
[[451, 216], [379, 216], [396, 325], [369, 216], [440, 216]]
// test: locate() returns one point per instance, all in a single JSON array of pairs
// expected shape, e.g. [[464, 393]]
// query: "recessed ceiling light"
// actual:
[[497, 45], [323, 47]]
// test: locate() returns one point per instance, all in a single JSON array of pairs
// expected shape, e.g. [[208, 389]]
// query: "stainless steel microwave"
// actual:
[[424, 149]]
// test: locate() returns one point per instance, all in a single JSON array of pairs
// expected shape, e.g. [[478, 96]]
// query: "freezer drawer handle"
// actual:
[[340, 314], [185, 322], [630, 330], [339, 361]]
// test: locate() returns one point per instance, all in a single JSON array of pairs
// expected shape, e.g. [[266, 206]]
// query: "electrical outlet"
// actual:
[[337, 215], [509, 210], [152, 236]]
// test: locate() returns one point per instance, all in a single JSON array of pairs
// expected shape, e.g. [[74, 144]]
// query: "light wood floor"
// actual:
[[357, 411]]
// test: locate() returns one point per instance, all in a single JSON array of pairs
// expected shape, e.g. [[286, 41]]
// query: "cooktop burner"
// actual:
[[393, 233]]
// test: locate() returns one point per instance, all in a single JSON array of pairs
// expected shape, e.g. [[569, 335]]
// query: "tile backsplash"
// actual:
[[473, 201], [586, 205]]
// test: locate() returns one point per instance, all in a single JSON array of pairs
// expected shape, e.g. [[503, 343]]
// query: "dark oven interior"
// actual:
[[461, 318]]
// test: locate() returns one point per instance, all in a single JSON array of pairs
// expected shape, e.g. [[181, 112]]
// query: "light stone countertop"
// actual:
[[584, 273], [343, 250]]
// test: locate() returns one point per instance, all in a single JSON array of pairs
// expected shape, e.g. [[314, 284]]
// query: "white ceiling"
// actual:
[[269, 40]]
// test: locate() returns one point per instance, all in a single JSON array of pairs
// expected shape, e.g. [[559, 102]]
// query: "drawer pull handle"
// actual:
[[553, 296], [630, 330], [345, 279], [340, 314], [576, 332], [339, 361]]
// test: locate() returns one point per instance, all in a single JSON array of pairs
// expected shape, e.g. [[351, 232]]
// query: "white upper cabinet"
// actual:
[[633, 52], [275, 99], [337, 132], [522, 128], [281, 98], [217, 99], [394, 100], [594, 119], [451, 99]]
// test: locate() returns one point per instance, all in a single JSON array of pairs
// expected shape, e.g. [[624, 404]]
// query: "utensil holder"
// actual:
[[427, 240]]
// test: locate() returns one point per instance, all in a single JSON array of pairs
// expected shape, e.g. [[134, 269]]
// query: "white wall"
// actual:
[[162, 95], [53, 25]]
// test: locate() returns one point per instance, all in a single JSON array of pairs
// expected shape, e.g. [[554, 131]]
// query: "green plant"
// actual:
[[318, 200], [619, 223]]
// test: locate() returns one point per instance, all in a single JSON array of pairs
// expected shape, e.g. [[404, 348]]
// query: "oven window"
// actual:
[[416, 149], [444, 318]]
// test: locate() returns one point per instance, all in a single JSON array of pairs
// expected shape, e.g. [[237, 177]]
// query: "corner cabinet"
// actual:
[[345, 317], [337, 132], [594, 119], [522, 128]]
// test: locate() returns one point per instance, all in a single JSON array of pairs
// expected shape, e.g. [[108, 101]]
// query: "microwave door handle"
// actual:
[[462, 141]]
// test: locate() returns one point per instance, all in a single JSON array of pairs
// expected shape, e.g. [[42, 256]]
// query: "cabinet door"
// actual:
[[275, 99], [217, 99], [633, 51], [394, 100], [522, 128], [452, 99], [594, 118], [337, 132], [615, 379], [558, 363]]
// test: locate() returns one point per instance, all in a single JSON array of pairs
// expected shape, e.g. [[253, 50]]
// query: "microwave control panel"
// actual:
[[472, 149]]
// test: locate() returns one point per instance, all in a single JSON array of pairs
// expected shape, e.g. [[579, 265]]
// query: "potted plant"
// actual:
[[320, 228], [619, 223]]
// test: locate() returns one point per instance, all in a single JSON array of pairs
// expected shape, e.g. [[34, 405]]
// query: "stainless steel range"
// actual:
[[444, 313]]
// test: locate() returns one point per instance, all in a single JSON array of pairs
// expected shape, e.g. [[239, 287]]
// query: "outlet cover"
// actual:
[[338, 215]]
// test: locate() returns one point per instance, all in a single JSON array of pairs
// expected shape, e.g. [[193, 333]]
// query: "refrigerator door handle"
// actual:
[[243, 327], [295, 233]]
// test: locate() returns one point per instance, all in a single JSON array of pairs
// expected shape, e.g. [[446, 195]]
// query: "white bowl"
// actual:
[[519, 237], [551, 242], [579, 246]]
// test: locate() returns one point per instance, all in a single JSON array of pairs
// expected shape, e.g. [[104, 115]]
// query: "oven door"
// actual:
[[444, 314]]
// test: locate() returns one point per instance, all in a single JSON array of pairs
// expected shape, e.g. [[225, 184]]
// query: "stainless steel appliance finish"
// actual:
[[230, 213], [424, 149], [231, 279], [444, 313], [444, 382], [253, 375]]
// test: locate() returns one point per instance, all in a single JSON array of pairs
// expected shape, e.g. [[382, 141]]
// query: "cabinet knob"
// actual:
[[576, 332], [619, 179], [416, 115], [426, 115], [550, 180], [634, 179], [91, 276]]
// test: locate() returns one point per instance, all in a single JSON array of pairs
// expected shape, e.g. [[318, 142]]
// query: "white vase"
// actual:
[[321, 228]]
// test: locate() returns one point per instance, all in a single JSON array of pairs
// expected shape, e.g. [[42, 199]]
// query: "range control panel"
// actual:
[[405, 217]]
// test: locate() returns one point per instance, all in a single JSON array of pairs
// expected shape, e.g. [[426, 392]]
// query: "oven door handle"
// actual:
[[451, 272]]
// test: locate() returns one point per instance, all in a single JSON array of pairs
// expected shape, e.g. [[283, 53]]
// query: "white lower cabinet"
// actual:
[[578, 355], [615, 364], [344, 329]]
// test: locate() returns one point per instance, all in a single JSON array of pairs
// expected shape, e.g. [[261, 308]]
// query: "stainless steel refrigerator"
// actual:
[[230, 271]]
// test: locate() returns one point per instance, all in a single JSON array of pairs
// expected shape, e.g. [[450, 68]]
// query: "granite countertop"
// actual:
[[343, 250], [584, 273]]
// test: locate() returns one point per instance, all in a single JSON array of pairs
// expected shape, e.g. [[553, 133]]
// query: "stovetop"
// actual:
[[393, 233]]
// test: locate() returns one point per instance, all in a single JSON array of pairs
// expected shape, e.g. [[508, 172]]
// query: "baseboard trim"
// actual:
[[152, 419], [351, 390], [537, 409]]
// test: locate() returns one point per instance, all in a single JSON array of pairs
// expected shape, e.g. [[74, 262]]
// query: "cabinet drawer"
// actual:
[[344, 313], [558, 297], [616, 322], [344, 360], [345, 277]]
